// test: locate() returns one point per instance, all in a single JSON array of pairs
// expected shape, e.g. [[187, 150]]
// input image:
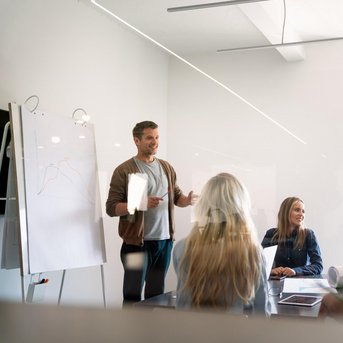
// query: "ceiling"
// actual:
[[208, 30]]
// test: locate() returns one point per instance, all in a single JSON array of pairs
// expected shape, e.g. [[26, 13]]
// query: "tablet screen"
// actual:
[[301, 300]]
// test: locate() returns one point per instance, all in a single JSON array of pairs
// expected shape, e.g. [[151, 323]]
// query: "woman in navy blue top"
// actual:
[[298, 252]]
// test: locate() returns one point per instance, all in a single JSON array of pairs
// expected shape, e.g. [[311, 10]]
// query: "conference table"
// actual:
[[275, 288]]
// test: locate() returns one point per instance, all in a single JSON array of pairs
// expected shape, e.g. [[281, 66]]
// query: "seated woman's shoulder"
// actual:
[[309, 232], [270, 232], [180, 246]]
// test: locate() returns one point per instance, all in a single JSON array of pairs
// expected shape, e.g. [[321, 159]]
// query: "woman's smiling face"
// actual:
[[297, 214]]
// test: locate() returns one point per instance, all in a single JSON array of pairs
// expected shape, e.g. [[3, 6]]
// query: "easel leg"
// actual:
[[62, 282], [23, 298], [103, 284]]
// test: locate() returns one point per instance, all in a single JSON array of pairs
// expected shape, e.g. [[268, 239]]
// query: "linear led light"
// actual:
[[211, 4], [280, 45], [266, 116]]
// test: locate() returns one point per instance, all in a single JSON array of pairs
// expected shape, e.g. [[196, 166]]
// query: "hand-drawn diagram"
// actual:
[[63, 169]]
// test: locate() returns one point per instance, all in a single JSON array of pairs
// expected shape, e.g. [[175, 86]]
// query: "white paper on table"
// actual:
[[137, 192], [304, 285]]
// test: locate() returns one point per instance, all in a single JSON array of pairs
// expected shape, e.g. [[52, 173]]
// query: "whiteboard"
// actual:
[[62, 202]]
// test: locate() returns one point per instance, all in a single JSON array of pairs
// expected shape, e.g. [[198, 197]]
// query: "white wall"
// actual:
[[71, 55], [213, 131]]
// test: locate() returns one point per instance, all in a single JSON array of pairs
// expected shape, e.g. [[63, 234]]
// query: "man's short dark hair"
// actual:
[[140, 127]]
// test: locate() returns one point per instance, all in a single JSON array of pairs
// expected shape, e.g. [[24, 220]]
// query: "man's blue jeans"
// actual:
[[153, 263]]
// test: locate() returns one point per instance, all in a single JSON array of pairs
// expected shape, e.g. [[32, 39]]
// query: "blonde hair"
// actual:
[[222, 258], [284, 223]]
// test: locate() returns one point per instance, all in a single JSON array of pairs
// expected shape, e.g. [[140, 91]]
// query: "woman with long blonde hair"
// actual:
[[298, 251], [220, 264]]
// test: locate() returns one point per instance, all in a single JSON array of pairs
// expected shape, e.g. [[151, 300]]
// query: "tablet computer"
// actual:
[[301, 300]]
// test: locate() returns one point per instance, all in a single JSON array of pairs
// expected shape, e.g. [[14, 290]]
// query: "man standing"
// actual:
[[147, 234]]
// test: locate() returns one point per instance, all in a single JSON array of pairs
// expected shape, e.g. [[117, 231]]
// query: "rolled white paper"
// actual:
[[335, 276]]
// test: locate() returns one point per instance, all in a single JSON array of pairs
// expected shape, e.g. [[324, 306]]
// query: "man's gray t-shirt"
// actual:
[[156, 224]]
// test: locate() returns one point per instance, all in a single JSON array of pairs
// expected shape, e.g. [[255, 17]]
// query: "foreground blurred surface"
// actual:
[[38, 323]]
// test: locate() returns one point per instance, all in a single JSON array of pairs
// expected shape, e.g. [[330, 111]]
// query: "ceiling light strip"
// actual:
[[280, 45], [211, 4], [200, 71]]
